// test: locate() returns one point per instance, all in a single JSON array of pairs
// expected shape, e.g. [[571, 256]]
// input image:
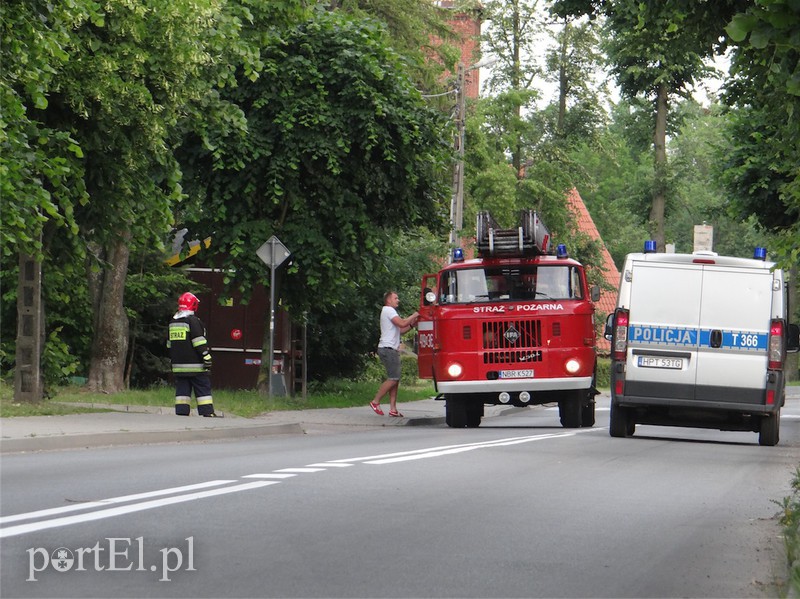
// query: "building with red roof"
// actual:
[[608, 299]]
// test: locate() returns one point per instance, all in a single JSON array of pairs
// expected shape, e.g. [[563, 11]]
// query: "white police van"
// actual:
[[700, 340]]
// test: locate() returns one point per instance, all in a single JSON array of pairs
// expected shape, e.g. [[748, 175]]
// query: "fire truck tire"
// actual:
[[621, 424], [455, 412], [769, 431], [474, 414], [570, 409], [587, 413]]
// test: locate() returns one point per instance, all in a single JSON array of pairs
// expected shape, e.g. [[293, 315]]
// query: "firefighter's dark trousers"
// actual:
[[201, 385]]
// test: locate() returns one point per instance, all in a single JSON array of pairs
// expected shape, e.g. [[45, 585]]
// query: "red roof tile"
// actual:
[[608, 299]]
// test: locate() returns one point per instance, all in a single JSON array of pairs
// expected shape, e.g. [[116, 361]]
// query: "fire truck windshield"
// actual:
[[510, 283]]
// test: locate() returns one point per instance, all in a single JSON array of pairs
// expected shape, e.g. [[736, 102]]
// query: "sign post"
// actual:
[[273, 253]]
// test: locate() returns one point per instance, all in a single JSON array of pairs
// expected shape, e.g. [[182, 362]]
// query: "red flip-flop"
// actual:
[[395, 413], [376, 408]]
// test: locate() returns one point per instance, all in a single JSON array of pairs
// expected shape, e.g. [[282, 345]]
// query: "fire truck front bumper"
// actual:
[[514, 385]]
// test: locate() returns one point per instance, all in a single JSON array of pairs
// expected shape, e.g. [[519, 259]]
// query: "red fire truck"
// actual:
[[514, 326]]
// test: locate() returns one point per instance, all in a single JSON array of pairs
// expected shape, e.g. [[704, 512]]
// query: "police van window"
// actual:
[[517, 283]]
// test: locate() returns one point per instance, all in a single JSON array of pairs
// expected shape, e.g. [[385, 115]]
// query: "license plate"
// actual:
[[516, 374], [659, 362]]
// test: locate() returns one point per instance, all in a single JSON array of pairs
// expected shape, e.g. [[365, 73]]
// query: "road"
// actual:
[[517, 508]]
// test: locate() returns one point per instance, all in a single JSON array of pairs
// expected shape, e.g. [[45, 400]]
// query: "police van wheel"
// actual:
[[620, 423], [570, 410], [769, 431]]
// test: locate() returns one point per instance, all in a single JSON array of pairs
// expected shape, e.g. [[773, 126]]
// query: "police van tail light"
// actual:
[[775, 349], [619, 342]]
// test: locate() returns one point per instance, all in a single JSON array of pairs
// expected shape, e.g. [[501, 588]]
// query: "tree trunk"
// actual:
[[111, 326], [657, 209], [563, 82]]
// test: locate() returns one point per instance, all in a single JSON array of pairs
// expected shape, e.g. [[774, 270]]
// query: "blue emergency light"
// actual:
[[458, 255], [760, 254], [650, 246], [561, 251]]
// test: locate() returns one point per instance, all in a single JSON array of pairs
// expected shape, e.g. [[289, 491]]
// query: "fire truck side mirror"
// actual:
[[594, 293], [793, 338], [429, 296], [607, 333]]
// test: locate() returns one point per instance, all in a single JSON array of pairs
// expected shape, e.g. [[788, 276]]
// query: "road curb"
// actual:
[[81, 441]]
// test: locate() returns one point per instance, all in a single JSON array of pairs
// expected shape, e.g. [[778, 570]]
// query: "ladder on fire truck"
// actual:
[[530, 238]]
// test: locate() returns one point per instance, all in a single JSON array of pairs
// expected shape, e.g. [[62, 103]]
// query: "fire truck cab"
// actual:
[[513, 326]]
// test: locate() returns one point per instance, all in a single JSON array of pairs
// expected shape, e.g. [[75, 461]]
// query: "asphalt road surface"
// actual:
[[517, 508]]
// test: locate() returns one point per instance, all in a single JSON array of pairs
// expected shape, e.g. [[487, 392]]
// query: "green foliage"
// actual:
[[343, 337], [418, 30], [40, 170], [790, 521], [603, 380], [341, 151], [375, 372], [761, 168]]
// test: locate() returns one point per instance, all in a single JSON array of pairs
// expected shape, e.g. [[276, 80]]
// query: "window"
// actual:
[[510, 283]]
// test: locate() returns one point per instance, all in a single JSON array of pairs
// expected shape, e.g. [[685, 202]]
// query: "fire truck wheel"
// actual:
[[474, 414], [621, 424], [570, 408], [769, 432], [587, 413], [455, 410]]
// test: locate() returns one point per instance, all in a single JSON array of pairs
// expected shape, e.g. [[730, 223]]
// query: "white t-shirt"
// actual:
[[390, 332]]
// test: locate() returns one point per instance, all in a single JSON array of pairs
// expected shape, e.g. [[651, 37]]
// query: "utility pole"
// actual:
[[30, 331], [457, 201]]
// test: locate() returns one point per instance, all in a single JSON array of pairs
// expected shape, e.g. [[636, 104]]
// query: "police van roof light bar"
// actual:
[[760, 254], [650, 246]]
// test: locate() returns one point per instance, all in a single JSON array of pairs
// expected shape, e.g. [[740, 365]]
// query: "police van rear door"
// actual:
[[663, 331], [735, 317]]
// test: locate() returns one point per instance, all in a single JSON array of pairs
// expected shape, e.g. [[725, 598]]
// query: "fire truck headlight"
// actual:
[[572, 366], [454, 370]]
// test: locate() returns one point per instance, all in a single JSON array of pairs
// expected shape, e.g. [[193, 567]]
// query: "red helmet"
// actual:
[[188, 301]]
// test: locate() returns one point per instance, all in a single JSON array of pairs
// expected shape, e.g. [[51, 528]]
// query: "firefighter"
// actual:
[[191, 358]]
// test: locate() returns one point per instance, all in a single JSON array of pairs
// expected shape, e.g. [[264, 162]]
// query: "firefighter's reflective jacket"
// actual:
[[188, 346]]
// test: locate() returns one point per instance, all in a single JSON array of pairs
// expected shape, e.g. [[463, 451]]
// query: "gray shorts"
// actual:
[[391, 361]]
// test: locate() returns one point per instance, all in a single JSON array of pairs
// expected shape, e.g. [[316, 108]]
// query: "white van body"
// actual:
[[696, 349]]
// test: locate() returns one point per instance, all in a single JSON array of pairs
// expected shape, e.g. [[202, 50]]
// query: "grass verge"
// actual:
[[790, 521], [245, 403]]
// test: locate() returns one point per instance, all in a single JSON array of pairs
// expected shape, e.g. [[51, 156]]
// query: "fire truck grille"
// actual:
[[511, 341]]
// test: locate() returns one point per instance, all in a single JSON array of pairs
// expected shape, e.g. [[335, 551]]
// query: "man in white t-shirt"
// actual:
[[392, 326]]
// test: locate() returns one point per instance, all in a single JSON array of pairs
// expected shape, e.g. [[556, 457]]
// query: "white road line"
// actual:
[[447, 449], [281, 474], [453, 450], [104, 502], [301, 470], [127, 509]]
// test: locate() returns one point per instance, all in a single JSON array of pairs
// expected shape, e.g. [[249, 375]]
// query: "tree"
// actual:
[[40, 173], [762, 168], [571, 63], [341, 152], [657, 49], [116, 80], [510, 38], [418, 31]]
